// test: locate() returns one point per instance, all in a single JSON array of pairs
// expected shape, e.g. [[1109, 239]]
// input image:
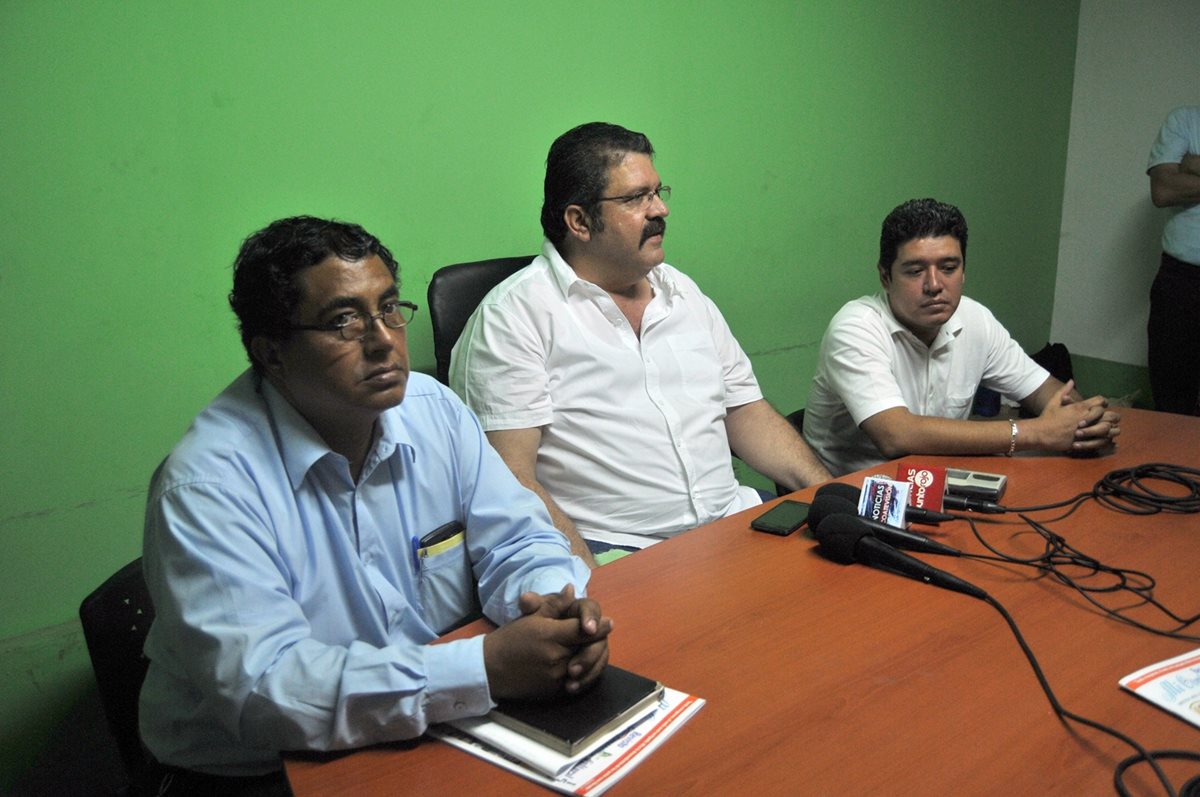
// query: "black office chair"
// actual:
[[454, 293], [116, 618], [796, 419], [1055, 358]]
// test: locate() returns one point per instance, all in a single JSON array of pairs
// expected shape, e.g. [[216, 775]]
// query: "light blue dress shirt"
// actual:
[[293, 610]]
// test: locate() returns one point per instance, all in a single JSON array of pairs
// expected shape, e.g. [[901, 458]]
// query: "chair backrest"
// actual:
[[1056, 359], [454, 293], [116, 618]]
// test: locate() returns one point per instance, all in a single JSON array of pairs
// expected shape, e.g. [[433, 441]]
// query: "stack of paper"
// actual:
[[591, 771]]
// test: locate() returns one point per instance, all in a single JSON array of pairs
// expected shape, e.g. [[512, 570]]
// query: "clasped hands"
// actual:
[[1079, 425], [558, 645]]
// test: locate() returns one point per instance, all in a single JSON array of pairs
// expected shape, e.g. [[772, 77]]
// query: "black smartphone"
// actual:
[[441, 534], [782, 519]]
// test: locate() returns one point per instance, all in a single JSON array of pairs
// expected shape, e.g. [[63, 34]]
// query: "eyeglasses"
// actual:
[[355, 326], [641, 199]]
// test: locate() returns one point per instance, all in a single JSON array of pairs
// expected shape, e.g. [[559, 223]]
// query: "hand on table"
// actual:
[[560, 643], [1075, 425]]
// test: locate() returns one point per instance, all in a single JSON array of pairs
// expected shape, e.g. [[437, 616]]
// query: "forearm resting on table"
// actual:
[[767, 442], [897, 432], [1065, 424]]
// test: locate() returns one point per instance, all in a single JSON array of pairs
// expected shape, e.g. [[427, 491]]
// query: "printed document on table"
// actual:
[[591, 772], [1173, 684]]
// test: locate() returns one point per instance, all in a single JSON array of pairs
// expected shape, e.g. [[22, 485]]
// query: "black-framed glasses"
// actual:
[[354, 326], [641, 199]]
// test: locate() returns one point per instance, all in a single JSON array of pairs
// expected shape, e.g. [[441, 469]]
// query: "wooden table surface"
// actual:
[[829, 679]]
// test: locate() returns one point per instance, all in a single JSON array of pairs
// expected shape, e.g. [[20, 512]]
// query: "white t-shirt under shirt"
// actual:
[[634, 447], [869, 362]]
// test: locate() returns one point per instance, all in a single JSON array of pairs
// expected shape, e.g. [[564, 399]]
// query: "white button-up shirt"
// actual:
[[633, 444], [869, 362]]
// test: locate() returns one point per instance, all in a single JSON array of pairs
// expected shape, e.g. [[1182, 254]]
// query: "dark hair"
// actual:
[[265, 294], [577, 171], [920, 218]]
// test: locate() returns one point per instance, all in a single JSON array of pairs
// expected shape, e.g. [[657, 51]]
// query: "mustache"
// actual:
[[653, 227]]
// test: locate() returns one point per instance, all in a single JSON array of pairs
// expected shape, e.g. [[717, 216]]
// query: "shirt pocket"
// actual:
[[957, 407], [699, 368], [447, 585]]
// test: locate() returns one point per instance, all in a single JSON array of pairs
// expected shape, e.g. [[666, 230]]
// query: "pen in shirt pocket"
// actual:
[[440, 534]]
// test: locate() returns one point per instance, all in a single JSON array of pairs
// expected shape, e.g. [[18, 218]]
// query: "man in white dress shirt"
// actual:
[[898, 371], [607, 381]]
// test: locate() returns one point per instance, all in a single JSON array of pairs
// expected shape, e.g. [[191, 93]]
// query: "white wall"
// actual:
[[1135, 61]]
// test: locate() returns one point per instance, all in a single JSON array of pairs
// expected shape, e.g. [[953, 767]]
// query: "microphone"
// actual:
[[846, 539], [914, 513], [828, 505], [972, 504], [847, 491]]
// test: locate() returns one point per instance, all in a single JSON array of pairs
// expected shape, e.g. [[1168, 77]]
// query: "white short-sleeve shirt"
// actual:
[[633, 445], [869, 362]]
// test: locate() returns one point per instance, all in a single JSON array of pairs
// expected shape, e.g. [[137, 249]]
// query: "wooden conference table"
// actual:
[[829, 679]]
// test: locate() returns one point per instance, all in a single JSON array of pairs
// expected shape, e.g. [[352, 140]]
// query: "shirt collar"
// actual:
[[948, 332], [393, 436], [301, 447], [661, 278], [563, 275]]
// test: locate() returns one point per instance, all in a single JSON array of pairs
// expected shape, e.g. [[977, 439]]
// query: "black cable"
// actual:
[[1191, 787], [1132, 490], [1148, 756], [1138, 490], [1056, 552], [1074, 502], [1057, 555], [1125, 580]]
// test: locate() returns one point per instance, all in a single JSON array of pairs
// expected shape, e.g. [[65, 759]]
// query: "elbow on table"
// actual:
[[890, 445]]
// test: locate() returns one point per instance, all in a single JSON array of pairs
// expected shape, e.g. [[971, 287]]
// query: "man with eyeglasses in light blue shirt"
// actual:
[[323, 520]]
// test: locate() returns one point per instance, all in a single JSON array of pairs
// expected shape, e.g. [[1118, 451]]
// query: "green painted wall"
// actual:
[[143, 139]]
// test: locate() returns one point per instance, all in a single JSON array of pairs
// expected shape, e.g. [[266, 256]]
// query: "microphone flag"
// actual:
[[884, 500], [928, 484]]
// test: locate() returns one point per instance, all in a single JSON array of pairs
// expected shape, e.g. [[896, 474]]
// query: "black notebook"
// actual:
[[569, 724]]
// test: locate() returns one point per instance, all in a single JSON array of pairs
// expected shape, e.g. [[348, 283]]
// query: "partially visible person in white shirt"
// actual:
[[609, 384], [897, 372], [1172, 334]]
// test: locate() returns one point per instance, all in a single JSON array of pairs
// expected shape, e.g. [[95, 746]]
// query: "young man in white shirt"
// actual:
[[897, 372]]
